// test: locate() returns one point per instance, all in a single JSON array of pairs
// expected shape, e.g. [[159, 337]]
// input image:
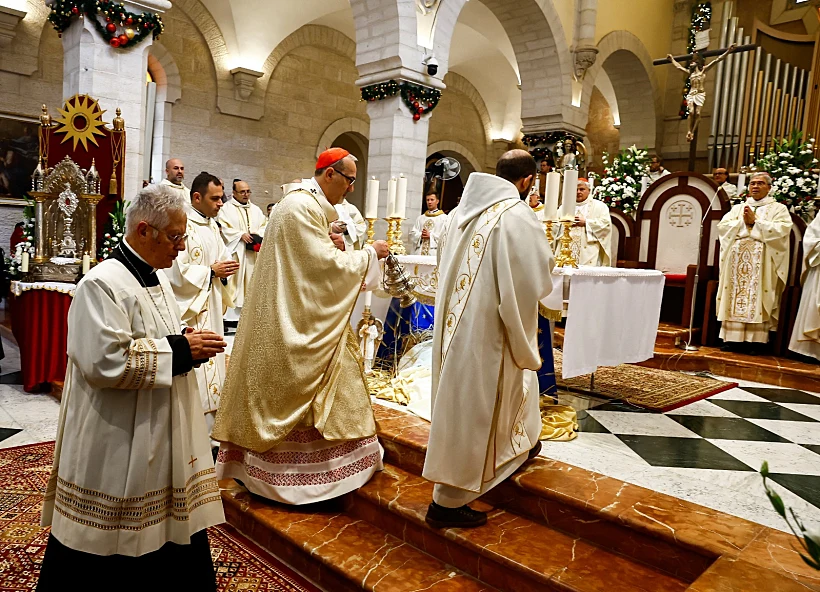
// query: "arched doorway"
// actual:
[[449, 191], [357, 145]]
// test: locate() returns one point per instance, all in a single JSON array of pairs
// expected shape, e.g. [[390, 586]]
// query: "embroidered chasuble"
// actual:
[[494, 266], [132, 461], [182, 191], [805, 337], [203, 299], [435, 223], [236, 219], [592, 244], [296, 422], [754, 268], [356, 235]]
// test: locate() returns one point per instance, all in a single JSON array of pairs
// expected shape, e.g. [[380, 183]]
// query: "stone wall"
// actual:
[[601, 131]]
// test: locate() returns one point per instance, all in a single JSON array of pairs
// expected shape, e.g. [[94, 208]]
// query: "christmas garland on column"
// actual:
[[420, 100], [119, 27], [701, 20]]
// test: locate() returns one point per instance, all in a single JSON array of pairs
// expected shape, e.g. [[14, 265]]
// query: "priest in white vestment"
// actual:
[[805, 337], [200, 277], [538, 208], [350, 225], [485, 401], [174, 180], [428, 229], [296, 423], [133, 486], [592, 230], [754, 265], [721, 177], [656, 170], [243, 225]]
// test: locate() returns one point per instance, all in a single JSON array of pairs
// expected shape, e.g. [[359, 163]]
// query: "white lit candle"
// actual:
[[391, 197], [551, 195], [24, 262], [741, 183], [401, 197], [644, 184], [570, 191], [368, 298], [371, 206], [86, 263]]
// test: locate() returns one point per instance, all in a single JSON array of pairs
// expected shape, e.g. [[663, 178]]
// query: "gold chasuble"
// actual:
[[295, 386], [754, 269], [495, 264]]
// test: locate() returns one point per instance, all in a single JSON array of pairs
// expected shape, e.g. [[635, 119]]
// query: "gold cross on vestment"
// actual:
[[192, 461]]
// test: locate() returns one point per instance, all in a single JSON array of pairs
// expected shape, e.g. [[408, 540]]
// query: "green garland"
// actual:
[[701, 20], [420, 100], [120, 27], [537, 144]]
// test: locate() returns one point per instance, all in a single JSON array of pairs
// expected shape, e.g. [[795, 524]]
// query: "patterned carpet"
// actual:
[[659, 390], [24, 471]]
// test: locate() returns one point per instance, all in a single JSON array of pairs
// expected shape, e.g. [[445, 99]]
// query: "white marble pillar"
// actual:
[[398, 145], [115, 78]]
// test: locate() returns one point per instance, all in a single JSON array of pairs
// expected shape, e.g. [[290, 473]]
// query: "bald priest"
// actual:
[[295, 423]]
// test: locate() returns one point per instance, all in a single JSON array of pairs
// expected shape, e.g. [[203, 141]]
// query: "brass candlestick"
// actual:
[[565, 258], [390, 231], [398, 242], [371, 231], [548, 227]]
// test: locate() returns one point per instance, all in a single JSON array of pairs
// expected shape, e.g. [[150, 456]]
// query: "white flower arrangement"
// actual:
[[621, 182]]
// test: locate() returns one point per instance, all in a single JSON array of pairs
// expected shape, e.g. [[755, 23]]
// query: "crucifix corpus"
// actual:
[[695, 99]]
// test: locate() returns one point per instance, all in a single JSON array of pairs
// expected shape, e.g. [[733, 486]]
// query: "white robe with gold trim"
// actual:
[[201, 299], [132, 462], [237, 219], [485, 415], [806, 334], [754, 269], [435, 223]]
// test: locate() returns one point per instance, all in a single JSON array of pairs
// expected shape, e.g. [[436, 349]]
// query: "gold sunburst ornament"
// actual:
[[80, 121]]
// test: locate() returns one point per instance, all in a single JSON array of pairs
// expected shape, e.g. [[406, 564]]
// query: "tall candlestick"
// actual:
[[24, 262], [741, 183], [86, 263], [368, 298], [570, 191], [391, 197], [371, 206], [553, 189], [401, 197]]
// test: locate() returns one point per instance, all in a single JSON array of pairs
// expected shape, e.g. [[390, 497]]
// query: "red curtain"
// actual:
[[39, 321]]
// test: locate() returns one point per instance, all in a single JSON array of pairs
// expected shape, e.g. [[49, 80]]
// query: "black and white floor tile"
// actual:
[[708, 452]]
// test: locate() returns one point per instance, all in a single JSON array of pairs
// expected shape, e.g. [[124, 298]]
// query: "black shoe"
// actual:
[[463, 517], [534, 451]]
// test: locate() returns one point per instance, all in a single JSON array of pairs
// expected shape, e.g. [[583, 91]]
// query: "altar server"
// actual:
[[243, 225], [754, 264], [806, 333], [133, 486], [485, 414], [721, 177], [199, 277], [296, 422], [426, 232]]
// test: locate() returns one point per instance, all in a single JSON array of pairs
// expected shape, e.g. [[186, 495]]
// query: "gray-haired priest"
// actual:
[[133, 486], [754, 266]]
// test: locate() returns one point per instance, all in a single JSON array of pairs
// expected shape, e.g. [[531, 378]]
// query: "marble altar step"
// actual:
[[338, 551], [511, 553]]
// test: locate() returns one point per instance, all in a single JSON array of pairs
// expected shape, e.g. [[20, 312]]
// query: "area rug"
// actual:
[[24, 472], [658, 390]]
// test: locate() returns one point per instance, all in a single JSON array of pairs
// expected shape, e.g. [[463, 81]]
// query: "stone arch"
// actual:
[[21, 56], [447, 146], [165, 73], [457, 82], [342, 126], [628, 64]]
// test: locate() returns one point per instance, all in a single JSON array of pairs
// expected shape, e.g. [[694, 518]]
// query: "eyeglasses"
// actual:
[[176, 239], [350, 180]]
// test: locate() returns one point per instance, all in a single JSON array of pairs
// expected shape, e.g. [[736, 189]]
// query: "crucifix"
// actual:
[[695, 99]]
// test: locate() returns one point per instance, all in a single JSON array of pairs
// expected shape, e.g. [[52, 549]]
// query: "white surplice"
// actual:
[[806, 334], [202, 299], [180, 190], [434, 222], [754, 269], [356, 235], [492, 273], [592, 243], [237, 219], [132, 462]]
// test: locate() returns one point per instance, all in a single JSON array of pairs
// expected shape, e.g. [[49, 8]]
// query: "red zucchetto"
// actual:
[[330, 156]]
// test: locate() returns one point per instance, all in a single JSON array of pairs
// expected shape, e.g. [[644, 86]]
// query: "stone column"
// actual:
[[115, 78], [398, 145], [584, 50]]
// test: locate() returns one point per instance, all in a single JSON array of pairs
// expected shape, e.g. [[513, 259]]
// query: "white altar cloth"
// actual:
[[612, 317], [18, 287]]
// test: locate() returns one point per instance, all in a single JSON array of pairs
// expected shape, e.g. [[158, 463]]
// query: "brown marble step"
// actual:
[[339, 552], [511, 553]]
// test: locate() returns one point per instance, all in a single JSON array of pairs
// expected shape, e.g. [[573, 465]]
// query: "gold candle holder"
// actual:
[[548, 227], [390, 231], [565, 258], [398, 242], [371, 231]]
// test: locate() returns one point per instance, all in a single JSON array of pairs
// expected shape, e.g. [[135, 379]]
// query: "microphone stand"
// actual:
[[687, 346]]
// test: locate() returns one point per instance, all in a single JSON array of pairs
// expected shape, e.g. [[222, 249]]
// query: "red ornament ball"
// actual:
[[430, 105], [416, 117], [420, 111], [111, 27], [114, 42], [129, 21], [108, 19], [416, 104], [144, 25], [123, 39], [75, 10]]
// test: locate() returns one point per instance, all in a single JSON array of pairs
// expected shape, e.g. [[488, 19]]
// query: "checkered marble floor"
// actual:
[[710, 451]]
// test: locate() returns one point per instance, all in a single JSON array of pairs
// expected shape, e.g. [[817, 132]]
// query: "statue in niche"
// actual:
[[697, 86]]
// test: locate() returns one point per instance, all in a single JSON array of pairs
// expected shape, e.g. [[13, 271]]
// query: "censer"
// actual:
[[397, 282]]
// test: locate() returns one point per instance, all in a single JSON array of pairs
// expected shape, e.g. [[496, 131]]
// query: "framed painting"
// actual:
[[19, 151]]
